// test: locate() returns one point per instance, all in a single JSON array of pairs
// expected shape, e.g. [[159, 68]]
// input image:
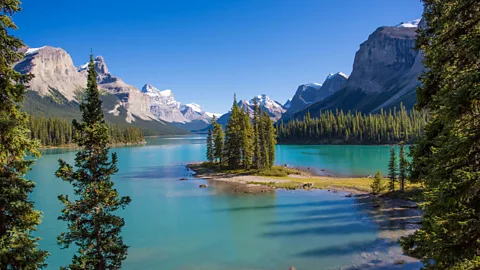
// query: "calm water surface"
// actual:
[[173, 224]]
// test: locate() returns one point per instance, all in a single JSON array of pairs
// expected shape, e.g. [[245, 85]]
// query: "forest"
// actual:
[[54, 131], [337, 127]]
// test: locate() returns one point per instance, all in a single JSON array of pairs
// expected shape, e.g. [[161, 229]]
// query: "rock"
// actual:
[[183, 178], [370, 176], [202, 186], [335, 191], [292, 268], [349, 195], [307, 185], [398, 262]]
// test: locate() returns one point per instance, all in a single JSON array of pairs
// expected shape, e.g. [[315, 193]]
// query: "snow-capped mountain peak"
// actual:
[[34, 50], [314, 85], [194, 106], [409, 24], [331, 75]]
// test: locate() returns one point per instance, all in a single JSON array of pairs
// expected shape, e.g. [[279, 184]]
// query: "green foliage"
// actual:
[[210, 155], [18, 218], [355, 128], [246, 146], [376, 185], [402, 172], [218, 141], [54, 131], [392, 170], [233, 136], [92, 225], [446, 159]]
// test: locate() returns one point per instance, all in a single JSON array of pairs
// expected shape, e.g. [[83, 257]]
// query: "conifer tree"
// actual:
[[376, 185], [263, 129], [92, 225], [392, 170], [447, 159], [218, 141], [210, 155], [256, 134], [271, 134], [402, 172], [233, 136], [247, 140], [18, 218]]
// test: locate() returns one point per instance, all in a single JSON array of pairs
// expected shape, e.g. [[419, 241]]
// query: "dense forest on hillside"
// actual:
[[338, 127], [54, 131]]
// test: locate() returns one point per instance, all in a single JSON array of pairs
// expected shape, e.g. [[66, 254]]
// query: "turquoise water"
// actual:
[[173, 224]]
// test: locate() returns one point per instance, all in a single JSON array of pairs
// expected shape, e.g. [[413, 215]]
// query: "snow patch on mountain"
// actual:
[[34, 50], [409, 24]]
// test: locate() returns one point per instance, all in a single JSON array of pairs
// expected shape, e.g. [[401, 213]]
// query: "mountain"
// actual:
[[274, 109], [164, 106], [385, 73], [58, 87], [287, 104], [307, 94]]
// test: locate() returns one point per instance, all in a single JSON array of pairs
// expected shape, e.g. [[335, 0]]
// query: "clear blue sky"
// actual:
[[207, 50]]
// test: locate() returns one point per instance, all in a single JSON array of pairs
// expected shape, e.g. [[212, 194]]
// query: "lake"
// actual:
[[173, 224]]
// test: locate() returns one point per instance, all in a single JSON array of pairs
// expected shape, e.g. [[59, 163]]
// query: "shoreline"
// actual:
[[393, 217], [74, 146]]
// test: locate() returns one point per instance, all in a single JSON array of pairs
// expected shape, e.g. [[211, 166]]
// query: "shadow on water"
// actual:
[[157, 172], [376, 265], [324, 204], [351, 248]]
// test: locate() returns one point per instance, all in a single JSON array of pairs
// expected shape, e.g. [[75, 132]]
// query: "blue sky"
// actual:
[[205, 51]]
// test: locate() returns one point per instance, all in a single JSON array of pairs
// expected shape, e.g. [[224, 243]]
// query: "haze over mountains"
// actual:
[[385, 73]]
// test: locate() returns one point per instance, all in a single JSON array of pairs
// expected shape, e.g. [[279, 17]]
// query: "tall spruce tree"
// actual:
[[210, 155], [376, 185], [218, 141], [247, 140], [402, 171], [18, 218], [447, 158], [263, 141], [233, 136], [92, 225], [271, 139], [392, 170], [256, 134]]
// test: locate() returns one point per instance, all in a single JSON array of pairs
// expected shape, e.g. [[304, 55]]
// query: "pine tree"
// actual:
[[18, 218], [271, 134], [447, 159], [402, 173], [92, 225], [392, 170], [218, 141], [376, 185], [247, 140], [210, 155], [262, 134], [256, 134], [233, 136]]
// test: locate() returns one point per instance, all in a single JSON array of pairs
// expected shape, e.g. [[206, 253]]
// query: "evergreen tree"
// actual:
[[376, 185], [233, 136], [263, 135], [271, 134], [18, 218], [447, 159], [402, 173], [210, 155], [218, 141], [247, 140], [392, 170], [256, 134], [92, 225]]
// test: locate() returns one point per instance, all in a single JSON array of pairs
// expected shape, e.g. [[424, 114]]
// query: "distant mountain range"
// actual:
[[385, 74]]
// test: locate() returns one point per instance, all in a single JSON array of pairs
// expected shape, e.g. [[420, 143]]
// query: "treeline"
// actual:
[[54, 131], [338, 127], [246, 144]]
